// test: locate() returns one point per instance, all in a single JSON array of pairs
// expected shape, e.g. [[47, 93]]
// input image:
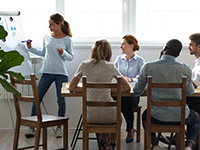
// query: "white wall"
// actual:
[[73, 105]]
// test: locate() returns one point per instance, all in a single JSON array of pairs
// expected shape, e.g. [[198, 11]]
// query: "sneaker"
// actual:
[[58, 133], [156, 147], [30, 133]]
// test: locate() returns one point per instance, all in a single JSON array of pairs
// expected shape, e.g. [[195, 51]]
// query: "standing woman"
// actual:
[[129, 65], [57, 49]]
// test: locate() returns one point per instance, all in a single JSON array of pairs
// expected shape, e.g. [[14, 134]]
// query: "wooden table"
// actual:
[[66, 93]]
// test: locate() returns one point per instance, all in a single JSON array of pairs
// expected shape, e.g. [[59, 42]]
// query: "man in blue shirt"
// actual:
[[167, 69]]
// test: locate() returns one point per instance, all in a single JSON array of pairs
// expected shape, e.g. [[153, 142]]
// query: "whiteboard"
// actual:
[[13, 42]]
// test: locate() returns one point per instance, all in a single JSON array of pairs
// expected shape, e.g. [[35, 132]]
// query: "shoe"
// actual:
[[129, 140], [30, 133], [156, 147], [188, 148], [58, 133]]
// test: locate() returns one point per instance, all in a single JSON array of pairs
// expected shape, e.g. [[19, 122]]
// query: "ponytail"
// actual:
[[65, 27]]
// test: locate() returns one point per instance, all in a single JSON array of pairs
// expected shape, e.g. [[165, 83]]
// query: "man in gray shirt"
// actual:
[[167, 69]]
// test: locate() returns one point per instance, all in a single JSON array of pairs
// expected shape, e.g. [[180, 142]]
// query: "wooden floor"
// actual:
[[6, 141]]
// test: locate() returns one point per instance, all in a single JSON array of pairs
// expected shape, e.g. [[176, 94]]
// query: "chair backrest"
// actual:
[[166, 103], [101, 85], [26, 98]]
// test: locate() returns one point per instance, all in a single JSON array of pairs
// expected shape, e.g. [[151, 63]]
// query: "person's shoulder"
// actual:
[[84, 62], [139, 57], [186, 66], [68, 37]]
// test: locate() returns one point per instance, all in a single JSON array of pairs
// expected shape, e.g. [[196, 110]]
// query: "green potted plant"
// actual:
[[8, 60]]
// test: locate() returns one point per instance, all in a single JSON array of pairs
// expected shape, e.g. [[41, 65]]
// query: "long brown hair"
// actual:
[[65, 27], [101, 51]]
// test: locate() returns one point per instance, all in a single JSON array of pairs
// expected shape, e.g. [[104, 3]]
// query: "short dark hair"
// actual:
[[195, 38], [173, 47]]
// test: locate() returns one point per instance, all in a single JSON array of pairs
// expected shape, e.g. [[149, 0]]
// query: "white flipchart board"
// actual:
[[11, 23]]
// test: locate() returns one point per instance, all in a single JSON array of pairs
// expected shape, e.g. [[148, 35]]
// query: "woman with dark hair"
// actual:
[[129, 65], [99, 69], [57, 49]]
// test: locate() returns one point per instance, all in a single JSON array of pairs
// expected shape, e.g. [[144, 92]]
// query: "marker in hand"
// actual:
[[26, 41]]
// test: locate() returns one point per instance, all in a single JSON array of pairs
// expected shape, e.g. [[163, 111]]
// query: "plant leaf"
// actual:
[[3, 33], [10, 59], [16, 75], [9, 87]]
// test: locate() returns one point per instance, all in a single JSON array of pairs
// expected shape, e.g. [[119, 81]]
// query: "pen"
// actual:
[[26, 41]]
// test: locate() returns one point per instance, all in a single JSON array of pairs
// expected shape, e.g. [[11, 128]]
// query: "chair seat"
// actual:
[[45, 118]]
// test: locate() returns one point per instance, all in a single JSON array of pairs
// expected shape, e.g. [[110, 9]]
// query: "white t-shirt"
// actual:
[[196, 72]]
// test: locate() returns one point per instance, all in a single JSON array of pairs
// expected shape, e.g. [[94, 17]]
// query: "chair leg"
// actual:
[[44, 138], [85, 140], [16, 136], [37, 138], [148, 140], [138, 124], [119, 140], [65, 135], [180, 141], [199, 138]]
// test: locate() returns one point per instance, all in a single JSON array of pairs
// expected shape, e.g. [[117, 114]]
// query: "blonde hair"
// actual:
[[101, 51]]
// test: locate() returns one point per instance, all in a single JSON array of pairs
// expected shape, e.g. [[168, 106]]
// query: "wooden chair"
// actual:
[[101, 128], [199, 137], [39, 121], [138, 124], [179, 128]]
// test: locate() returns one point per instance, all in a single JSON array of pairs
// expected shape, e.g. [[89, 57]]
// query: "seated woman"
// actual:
[[99, 69]]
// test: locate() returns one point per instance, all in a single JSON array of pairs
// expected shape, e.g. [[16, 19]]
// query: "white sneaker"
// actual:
[[188, 148], [30, 133], [156, 147], [58, 133]]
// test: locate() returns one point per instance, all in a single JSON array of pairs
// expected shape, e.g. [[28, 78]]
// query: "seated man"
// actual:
[[167, 69]]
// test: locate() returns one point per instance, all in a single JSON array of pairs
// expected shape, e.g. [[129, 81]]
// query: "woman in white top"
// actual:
[[99, 69], [57, 49]]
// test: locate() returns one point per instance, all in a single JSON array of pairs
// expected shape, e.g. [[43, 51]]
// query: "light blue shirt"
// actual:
[[167, 69], [129, 68], [53, 63]]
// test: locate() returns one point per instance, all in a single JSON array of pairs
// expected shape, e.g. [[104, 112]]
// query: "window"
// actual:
[[94, 18], [151, 21], [158, 20], [34, 16]]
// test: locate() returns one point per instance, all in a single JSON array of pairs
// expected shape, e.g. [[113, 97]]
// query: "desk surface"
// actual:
[[65, 92]]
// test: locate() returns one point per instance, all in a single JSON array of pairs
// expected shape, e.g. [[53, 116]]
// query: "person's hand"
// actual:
[[60, 51], [128, 79], [28, 44]]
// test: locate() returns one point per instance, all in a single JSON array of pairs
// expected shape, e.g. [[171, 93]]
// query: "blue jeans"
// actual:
[[192, 123], [43, 86]]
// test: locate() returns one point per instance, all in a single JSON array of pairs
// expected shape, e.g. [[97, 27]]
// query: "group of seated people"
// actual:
[[99, 68]]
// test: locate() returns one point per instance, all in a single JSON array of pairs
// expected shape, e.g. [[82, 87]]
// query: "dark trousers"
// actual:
[[127, 105], [194, 103]]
